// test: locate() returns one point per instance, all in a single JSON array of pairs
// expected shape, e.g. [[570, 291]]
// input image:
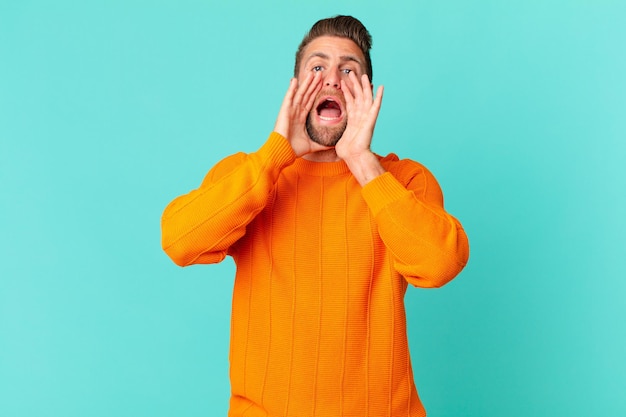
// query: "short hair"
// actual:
[[343, 27]]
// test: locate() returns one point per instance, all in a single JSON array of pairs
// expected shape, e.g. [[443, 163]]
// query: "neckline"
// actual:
[[320, 169]]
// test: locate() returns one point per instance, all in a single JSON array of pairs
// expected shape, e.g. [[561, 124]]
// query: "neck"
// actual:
[[328, 155]]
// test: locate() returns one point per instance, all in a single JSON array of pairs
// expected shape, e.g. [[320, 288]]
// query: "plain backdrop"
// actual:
[[110, 109]]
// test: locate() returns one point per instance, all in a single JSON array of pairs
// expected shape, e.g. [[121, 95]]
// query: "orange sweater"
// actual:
[[318, 318]]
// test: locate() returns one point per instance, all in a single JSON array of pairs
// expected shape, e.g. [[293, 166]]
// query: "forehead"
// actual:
[[333, 47]]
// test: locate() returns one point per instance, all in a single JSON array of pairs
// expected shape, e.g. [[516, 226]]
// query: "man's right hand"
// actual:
[[291, 121]]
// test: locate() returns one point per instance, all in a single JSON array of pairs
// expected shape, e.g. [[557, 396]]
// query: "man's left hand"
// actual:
[[362, 111]]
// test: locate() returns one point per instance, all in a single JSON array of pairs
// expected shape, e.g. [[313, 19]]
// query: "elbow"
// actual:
[[441, 276], [435, 277], [432, 278], [170, 238], [183, 255], [176, 253], [452, 262], [439, 270], [175, 248]]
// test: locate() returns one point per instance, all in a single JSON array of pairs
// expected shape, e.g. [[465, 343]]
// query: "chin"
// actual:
[[324, 135]]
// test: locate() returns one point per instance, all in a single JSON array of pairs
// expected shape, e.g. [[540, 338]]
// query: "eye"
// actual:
[[317, 68], [346, 70]]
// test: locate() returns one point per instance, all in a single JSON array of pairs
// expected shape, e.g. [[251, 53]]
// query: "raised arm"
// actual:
[[429, 245], [200, 226]]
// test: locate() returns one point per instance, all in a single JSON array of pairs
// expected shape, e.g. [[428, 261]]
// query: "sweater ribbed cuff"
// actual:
[[277, 151], [382, 191]]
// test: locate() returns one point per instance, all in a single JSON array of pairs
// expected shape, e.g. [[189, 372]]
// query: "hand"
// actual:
[[291, 121], [362, 111]]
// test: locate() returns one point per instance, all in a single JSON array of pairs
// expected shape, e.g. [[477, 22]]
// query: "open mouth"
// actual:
[[329, 110]]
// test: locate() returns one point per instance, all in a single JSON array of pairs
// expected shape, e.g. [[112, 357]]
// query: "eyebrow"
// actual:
[[343, 58]]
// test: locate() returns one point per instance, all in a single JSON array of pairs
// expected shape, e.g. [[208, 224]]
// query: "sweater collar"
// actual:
[[320, 169]]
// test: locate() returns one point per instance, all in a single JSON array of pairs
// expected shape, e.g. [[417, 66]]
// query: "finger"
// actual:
[[348, 88], [289, 95], [349, 83], [355, 86], [288, 99], [363, 90], [379, 95], [312, 91], [282, 121], [366, 88], [302, 88], [347, 94], [377, 101]]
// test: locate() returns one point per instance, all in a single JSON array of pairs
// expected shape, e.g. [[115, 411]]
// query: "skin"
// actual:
[[334, 68]]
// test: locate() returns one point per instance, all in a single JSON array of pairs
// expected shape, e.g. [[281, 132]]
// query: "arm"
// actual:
[[200, 226], [354, 145], [429, 245]]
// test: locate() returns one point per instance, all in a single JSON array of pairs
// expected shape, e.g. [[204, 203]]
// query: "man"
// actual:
[[326, 237]]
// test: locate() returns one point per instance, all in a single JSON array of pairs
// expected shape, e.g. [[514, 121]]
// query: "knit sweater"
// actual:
[[318, 319]]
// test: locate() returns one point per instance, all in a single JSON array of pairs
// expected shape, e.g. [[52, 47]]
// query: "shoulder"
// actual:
[[225, 167], [414, 176], [405, 170]]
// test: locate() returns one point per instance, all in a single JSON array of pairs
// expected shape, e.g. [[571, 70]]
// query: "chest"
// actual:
[[315, 223]]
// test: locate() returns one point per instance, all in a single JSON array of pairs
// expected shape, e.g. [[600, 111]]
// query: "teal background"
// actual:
[[110, 109]]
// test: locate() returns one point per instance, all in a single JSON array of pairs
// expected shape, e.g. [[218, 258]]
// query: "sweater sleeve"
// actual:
[[429, 245], [199, 227]]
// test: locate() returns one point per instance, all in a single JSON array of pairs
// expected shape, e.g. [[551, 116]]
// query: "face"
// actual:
[[335, 58]]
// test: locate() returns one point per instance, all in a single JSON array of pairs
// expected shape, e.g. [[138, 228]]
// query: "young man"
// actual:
[[326, 237]]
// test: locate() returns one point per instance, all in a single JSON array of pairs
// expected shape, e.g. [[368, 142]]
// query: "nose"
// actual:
[[333, 78]]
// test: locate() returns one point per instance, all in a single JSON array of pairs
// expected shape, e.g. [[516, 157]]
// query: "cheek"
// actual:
[[303, 72]]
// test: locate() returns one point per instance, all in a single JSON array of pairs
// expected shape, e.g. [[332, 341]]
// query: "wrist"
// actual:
[[364, 166]]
